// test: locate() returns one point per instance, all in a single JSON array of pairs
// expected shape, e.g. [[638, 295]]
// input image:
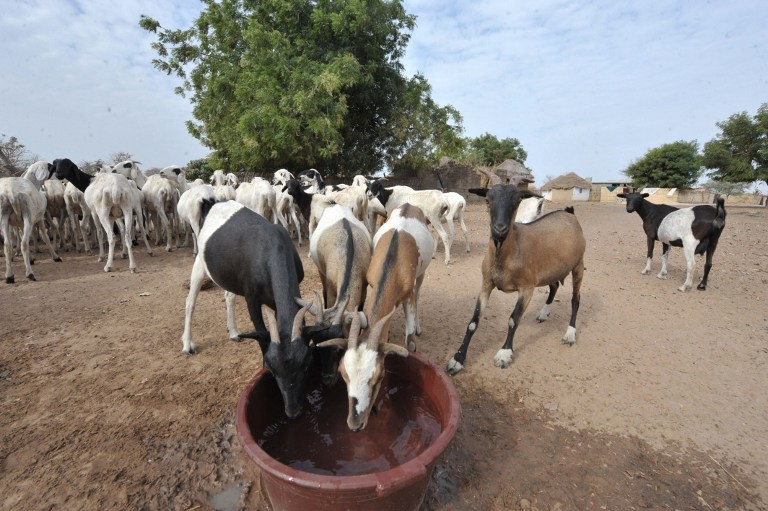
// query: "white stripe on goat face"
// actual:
[[360, 365]]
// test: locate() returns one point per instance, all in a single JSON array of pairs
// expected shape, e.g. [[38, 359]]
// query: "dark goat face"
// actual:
[[292, 187], [374, 189], [634, 200], [64, 168], [289, 362], [503, 201]]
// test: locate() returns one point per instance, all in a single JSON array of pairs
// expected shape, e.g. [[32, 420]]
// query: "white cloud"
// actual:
[[585, 87], [589, 87]]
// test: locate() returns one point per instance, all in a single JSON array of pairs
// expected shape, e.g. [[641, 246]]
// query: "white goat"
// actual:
[[431, 202], [22, 205], [456, 205], [161, 194], [222, 188], [110, 197], [259, 196], [190, 205], [74, 201], [285, 206], [55, 210]]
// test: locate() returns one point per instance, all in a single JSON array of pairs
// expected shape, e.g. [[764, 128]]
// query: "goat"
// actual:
[[248, 256], [161, 196], [130, 169], [22, 204], [56, 210], [529, 209], [285, 206], [74, 201], [430, 202], [222, 185], [109, 197], [341, 249], [456, 205], [521, 257], [190, 206], [403, 249], [258, 195], [696, 229]]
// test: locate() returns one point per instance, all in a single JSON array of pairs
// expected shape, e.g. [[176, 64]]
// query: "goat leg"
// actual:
[[456, 363], [505, 355]]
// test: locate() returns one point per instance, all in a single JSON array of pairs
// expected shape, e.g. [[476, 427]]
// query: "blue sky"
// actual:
[[586, 87]]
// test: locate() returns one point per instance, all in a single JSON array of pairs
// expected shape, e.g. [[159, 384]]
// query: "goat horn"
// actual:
[[340, 308], [320, 302], [274, 334], [354, 332], [301, 302], [298, 321], [493, 179], [375, 333]]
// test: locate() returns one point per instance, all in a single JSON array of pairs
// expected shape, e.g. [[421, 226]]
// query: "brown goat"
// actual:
[[522, 257], [403, 250]]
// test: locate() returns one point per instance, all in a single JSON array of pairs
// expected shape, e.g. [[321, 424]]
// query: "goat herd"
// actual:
[[242, 239]]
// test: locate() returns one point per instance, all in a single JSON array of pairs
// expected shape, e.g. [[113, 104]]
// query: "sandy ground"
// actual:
[[661, 403]]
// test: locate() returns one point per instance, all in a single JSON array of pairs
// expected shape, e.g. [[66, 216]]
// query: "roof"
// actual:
[[515, 171], [566, 182]]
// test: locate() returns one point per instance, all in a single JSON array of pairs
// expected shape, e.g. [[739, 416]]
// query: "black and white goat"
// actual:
[[697, 229], [247, 255], [522, 257]]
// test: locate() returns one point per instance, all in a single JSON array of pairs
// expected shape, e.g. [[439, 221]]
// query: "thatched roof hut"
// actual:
[[510, 172], [566, 182]]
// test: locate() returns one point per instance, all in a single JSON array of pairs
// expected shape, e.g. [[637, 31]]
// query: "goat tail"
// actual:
[[719, 222], [569, 209], [205, 208]]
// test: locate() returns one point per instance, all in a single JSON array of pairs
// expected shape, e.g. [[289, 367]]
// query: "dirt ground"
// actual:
[[660, 404]]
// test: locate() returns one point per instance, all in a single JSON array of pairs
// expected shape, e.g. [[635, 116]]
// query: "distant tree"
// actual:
[[293, 83], [725, 188], [120, 156], [199, 169], [739, 154], [92, 167], [14, 157], [675, 165], [488, 150]]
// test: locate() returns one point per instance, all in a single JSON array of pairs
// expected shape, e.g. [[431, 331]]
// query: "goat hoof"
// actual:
[[10, 280], [32, 277], [662, 276], [191, 351], [570, 336], [107, 269], [236, 338], [150, 254], [58, 259], [134, 270], [453, 367], [503, 358]]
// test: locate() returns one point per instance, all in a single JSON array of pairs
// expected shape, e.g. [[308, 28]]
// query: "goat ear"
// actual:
[[621, 195], [482, 192], [527, 194], [390, 348]]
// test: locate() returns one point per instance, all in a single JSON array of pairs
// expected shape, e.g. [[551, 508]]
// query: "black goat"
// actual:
[[697, 229], [249, 256]]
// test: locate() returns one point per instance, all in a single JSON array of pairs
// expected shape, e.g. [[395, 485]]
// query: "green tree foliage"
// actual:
[[199, 169], [739, 154], [488, 150], [676, 165], [297, 83], [725, 188]]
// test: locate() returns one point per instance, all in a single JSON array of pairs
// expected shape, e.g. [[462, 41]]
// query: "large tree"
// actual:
[[675, 165], [294, 83], [488, 150], [739, 154]]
